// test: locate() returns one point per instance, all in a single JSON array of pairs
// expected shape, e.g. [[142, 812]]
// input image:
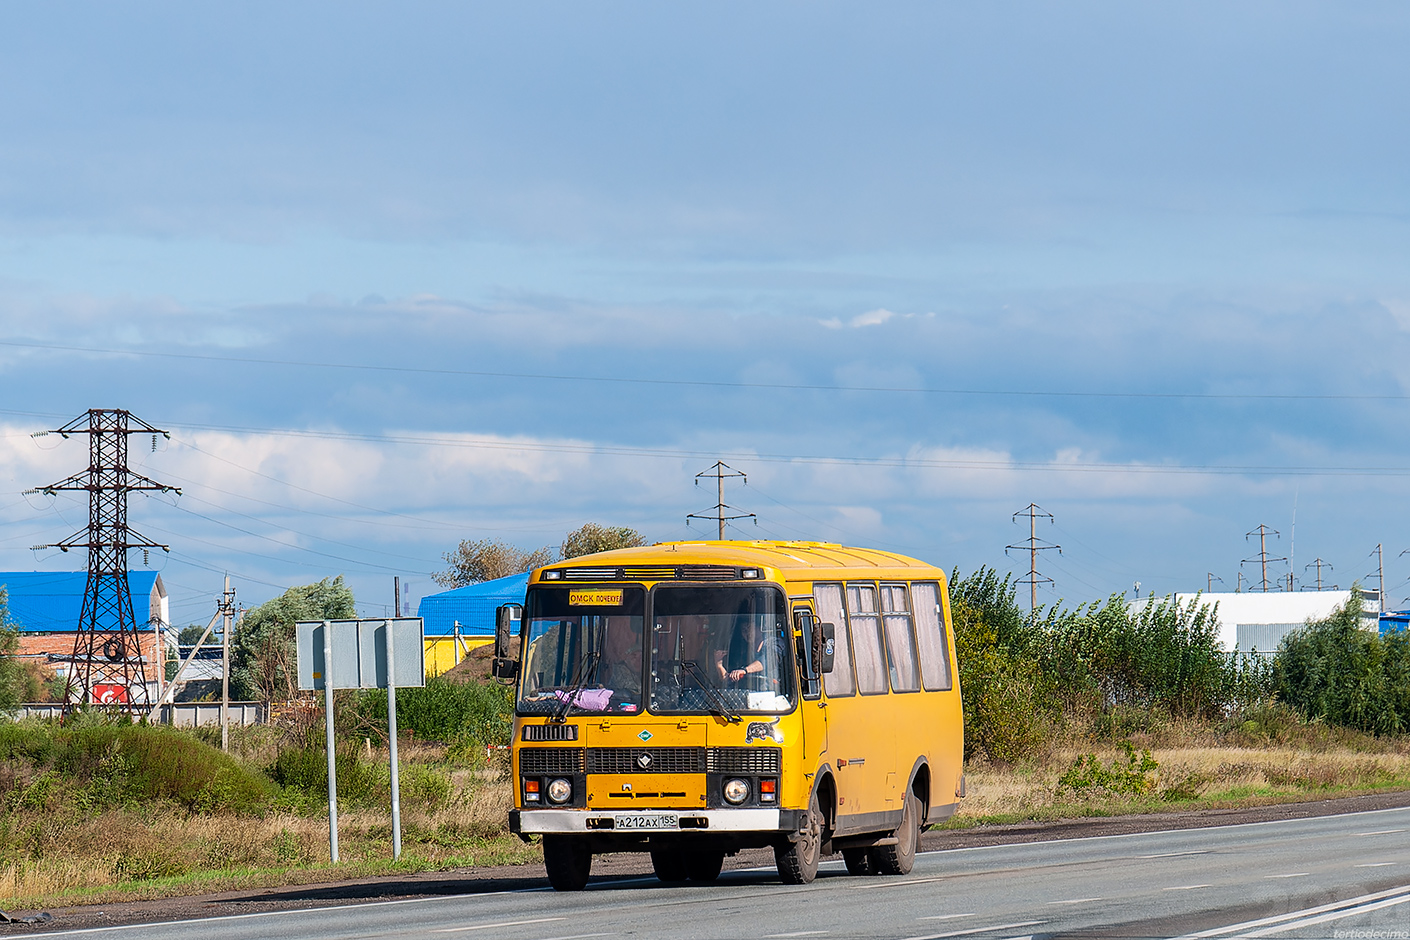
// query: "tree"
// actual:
[[262, 654], [592, 538], [11, 673], [479, 560], [189, 635]]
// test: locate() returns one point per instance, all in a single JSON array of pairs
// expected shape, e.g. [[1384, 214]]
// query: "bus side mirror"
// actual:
[[824, 647], [505, 666]]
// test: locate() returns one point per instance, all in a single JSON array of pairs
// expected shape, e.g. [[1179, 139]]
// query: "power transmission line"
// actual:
[[1319, 564], [1262, 556], [722, 512], [107, 647], [780, 386], [1033, 546]]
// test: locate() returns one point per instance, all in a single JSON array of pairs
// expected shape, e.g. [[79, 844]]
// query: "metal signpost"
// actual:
[[361, 654]]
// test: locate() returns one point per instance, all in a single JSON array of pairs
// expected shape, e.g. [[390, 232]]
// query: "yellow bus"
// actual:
[[691, 699]]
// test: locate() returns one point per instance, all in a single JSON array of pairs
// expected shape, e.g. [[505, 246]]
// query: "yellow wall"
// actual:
[[443, 653]]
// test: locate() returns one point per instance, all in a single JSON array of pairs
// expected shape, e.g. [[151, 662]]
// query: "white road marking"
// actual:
[[801, 933], [1175, 854], [1075, 901], [581, 936], [1332, 915], [1185, 887], [899, 884], [973, 930], [1380, 832], [1291, 874], [503, 923], [945, 916], [1354, 905], [1374, 864]]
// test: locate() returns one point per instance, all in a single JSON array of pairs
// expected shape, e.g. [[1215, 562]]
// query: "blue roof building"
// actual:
[[52, 601], [473, 606]]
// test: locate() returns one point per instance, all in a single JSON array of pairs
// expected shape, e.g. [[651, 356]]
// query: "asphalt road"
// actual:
[[1344, 876]]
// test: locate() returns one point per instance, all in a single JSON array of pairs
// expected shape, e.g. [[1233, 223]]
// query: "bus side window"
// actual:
[[827, 598], [930, 630], [900, 644], [865, 622]]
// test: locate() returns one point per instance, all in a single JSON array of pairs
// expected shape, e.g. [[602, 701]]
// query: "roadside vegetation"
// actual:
[[1114, 708], [1103, 709]]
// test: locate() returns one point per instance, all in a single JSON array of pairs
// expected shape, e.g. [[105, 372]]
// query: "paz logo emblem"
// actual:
[[643, 761], [645, 735]]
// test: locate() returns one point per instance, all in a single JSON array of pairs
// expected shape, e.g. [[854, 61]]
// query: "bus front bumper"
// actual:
[[535, 821]]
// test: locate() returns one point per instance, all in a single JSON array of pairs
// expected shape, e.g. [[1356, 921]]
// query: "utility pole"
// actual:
[[107, 647], [1380, 575], [1262, 556], [1319, 564], [1033, 546], [719, 512], [1209, 589], [227, 614], [1240, 588]]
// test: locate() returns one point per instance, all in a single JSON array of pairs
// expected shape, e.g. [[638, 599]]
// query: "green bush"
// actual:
[[444, 710], [1133, 775], [1335, 671], [305, 769], [116, 763]]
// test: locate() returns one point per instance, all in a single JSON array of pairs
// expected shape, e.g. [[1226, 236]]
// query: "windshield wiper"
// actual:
[[588, 670], [712, 695]]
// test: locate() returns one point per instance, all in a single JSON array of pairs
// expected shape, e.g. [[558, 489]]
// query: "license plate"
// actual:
[[658, 821]]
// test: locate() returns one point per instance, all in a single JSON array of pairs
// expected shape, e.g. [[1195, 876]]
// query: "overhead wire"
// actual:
[[697, 383]]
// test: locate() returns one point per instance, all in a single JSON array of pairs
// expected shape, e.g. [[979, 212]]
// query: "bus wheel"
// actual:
[[670, 864], [704, 866], [568, 860], [858, 861], [798, 861], [897, 859]]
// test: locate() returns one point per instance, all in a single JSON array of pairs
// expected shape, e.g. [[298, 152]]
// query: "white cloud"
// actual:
[[871, 317]]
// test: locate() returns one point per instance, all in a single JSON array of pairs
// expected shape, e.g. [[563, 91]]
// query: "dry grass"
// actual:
[[137, 852], [1188, 777]]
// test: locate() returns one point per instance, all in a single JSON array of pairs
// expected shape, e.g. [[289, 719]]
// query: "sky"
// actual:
[[397, 275]]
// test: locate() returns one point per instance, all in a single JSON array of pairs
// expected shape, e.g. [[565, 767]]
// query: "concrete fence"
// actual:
[[182, 714]]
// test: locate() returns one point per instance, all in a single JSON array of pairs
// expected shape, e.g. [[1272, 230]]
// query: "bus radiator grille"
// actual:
[[745, 760], [550, 733], [550, 760], [646, 760]]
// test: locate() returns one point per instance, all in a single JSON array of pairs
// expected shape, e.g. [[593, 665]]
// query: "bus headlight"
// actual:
[[736, 790], [559, 791]]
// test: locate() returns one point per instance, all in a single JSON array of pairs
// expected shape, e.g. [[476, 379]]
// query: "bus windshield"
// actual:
[[582, 651], [723, 650]]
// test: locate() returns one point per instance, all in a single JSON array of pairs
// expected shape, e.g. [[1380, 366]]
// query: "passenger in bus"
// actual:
[[620, 667]]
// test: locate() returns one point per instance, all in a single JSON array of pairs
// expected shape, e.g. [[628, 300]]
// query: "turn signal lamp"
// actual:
[[768, 790], [531, 791]]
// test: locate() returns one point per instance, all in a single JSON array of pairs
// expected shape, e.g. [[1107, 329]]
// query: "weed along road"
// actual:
[[1298, 878]]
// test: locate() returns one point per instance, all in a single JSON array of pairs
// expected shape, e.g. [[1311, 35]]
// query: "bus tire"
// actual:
[[568, 860], [899, 858], [670, 865], [858, 861], [704, 866], [798, 861]]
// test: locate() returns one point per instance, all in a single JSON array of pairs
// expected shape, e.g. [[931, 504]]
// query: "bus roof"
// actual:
[[818, 559]]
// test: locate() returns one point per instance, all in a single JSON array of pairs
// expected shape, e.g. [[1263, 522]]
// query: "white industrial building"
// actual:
[[1258, 621]]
